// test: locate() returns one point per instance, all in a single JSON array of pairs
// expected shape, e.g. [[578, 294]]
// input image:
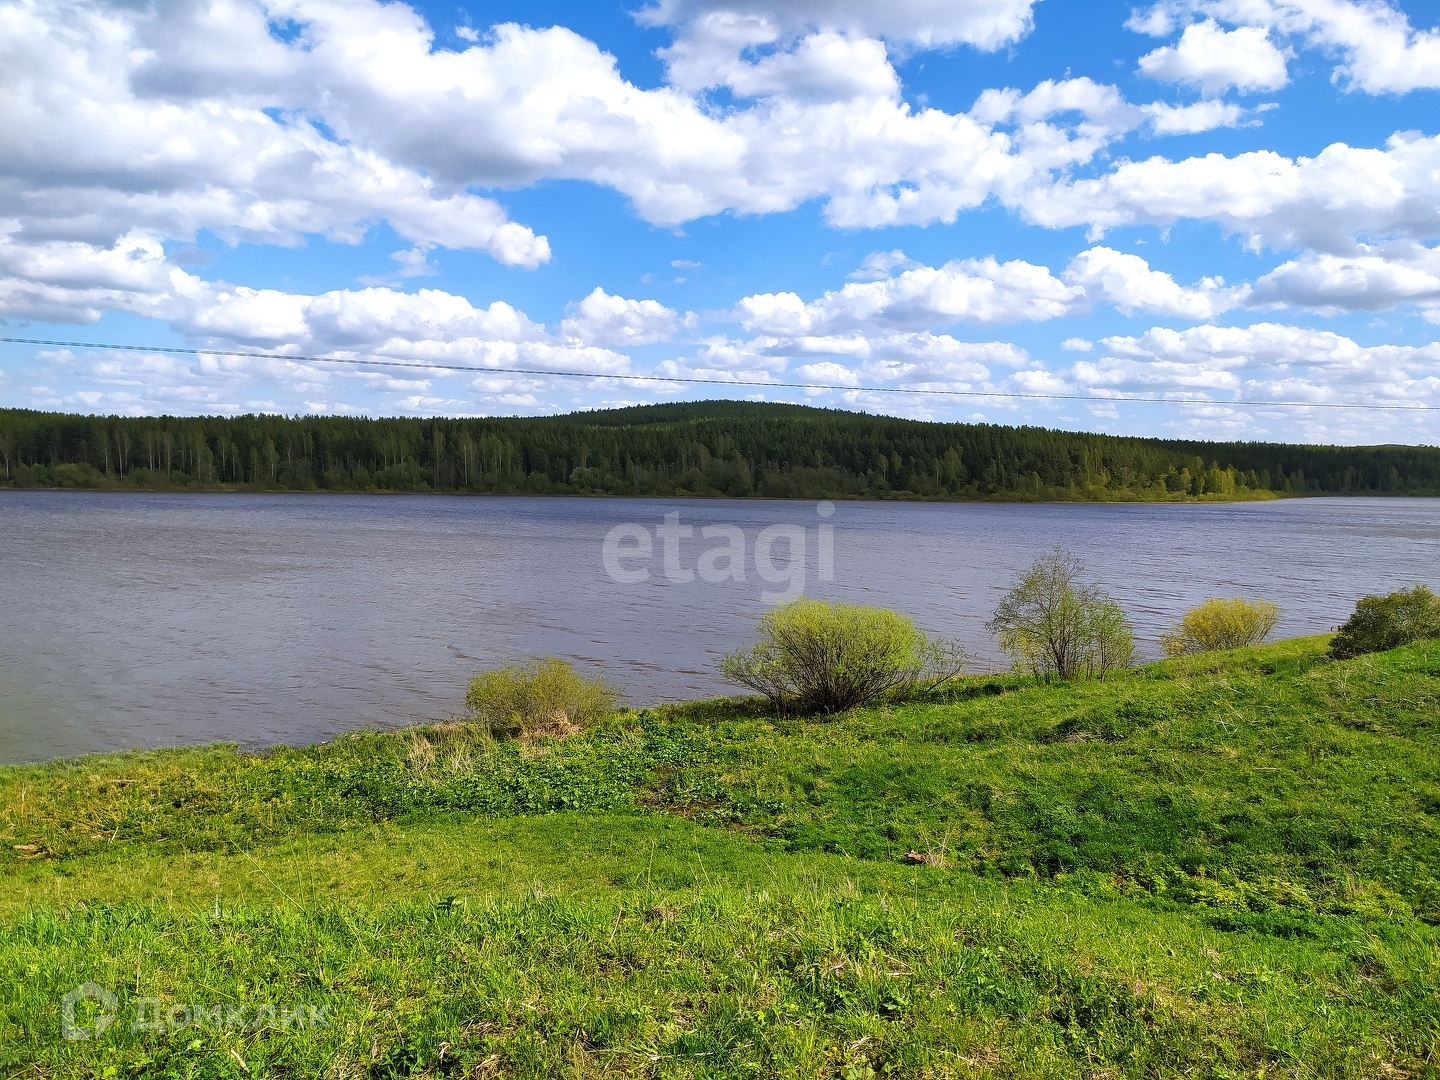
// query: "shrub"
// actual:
[[542, 696], [1387, 622], [1053, 624], [1221, 624], [828, 657]]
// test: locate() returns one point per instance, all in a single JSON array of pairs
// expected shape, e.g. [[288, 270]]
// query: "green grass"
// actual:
[[1221, 866]]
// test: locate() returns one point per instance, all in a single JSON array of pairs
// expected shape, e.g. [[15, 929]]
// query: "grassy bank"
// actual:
[[1220, 866]]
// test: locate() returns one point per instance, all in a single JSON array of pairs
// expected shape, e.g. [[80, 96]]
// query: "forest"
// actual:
[[708, 448]]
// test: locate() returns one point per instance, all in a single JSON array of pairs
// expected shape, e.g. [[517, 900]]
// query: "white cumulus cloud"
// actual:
[[104, 136], [1323, 202], [968, 290], [1126, 281], [1214, 60], [176, 119], [986, 24], [1379, 51], [602, 319], [983, 292], [1269, 361], [1166, 119], [1373, 279]]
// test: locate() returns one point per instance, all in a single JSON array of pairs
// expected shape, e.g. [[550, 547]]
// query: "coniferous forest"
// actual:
[[710, 448]]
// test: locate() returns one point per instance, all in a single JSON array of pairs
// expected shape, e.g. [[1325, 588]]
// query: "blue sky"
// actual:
[[1236, 201]]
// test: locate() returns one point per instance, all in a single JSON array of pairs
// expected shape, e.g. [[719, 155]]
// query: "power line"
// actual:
[[395, 362]]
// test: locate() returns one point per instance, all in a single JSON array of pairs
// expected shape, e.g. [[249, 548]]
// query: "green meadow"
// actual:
[[1220, 866]]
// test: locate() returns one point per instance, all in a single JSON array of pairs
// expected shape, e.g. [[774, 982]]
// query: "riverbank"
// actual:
[[1218, 866], [87, 478]]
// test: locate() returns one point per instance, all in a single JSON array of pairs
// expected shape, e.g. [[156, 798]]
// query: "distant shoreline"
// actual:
[[713, 449], [1175, 498], [995, 497]]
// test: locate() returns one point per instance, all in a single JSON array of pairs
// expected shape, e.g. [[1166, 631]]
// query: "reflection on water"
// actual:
[[144, 620]]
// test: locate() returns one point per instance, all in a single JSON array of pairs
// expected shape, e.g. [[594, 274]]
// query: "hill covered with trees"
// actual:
[[730, 448]]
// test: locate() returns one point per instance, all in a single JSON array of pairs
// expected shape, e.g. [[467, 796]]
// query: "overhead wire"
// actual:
[[381, 360]]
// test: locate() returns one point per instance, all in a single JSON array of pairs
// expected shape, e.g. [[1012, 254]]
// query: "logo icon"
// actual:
[[86, 991]]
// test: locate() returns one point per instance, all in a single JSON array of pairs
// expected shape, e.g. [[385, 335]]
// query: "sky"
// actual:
[[1012, 211]]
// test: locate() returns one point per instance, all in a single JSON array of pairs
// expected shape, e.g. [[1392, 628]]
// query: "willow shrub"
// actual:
[[1387, 622], [541, 696], [829, 657], [1053, 624], [1221, 624]]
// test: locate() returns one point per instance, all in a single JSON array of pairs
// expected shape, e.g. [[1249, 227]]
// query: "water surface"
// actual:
[[148, 620]]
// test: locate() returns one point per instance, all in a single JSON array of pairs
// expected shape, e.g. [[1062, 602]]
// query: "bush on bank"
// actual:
[[541, 696], [1221, 624], [819, 657], [1381, 623]]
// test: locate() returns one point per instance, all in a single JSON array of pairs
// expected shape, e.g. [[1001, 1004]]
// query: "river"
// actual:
[[160, 619]]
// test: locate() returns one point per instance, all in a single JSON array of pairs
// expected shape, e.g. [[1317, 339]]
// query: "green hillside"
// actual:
[[732, 448], [1223, 866]]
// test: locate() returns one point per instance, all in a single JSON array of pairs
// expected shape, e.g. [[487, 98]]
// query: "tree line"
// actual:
[[729, 448]]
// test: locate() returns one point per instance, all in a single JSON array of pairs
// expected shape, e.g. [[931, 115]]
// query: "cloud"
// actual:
[[1380, 51], [823, 66], [1127, 282], [1264, 361], [413, 262], [910, 361], [969, 290], [428, 325], [68, 281], [167, 121], [1267, 362], [1103, 116], [1375, 279], [71, 281], [1215, 60], [1197, 117], [1104, 111], [727, 359], [828, 372], [984, 292], [173, 120], [130, 128], [935, 359], [881, 264], [602, 319], [103, 137], [1323, 202], [985, 24]]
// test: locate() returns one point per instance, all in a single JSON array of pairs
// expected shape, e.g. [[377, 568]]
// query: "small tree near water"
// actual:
[[541, 696], [828, 657], [1054, 624], [1221, 624]]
